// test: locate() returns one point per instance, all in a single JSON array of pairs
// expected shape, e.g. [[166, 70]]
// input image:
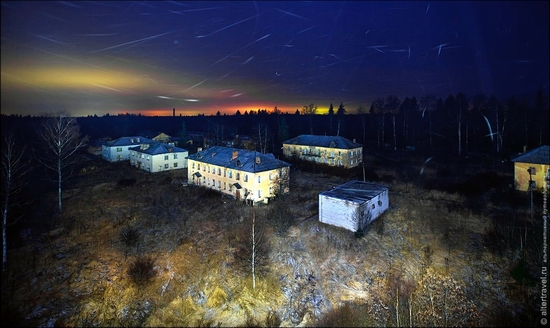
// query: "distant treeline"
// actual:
[[456, 125]]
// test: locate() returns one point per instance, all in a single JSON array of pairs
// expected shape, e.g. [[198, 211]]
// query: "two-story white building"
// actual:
[[330, 150], [119, 149], [158, 157], [242, 174]]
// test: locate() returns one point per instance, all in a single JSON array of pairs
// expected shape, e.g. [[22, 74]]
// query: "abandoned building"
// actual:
[[330, 150], [243, 174], [533, 166], [353, 205], [158, 157]]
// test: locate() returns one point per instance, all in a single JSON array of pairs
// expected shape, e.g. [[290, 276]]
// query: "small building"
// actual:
[[330, 150], [158, 157], [95, 146], [119, 149], [533, 165], [163, 137], [242, 174], [353, 205]]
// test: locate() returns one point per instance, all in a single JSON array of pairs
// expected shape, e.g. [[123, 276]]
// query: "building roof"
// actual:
[[323, 141], [539, 155], [238, 159], [355, 191], [129, 141], [158, 148]]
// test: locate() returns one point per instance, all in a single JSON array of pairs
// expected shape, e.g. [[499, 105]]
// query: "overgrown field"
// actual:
[[135, 249]]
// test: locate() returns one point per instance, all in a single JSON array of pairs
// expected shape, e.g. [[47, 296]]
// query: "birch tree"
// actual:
[[391, 106], [61, 137], [456, 109], [427, 106], [252, 253], [13, 170]]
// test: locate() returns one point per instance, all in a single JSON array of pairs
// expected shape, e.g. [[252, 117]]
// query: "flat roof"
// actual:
[[355, 191]]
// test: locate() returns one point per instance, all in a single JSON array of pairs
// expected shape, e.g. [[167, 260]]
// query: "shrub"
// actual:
[[126, 182], [129, 235], [142, 270], [347, 315]]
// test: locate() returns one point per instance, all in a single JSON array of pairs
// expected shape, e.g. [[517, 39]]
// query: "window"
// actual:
[[175, 156], [198, 166], [224, 173], [532, 171], [213, 170], [259, 179], [166, 166], [119, 149], [219, 184], [259, 193], [237, 176], [176, 164], [246, 178], [219, 171], [271, 190], [165, 157], [230, 175], [224, 186], [193, 165]]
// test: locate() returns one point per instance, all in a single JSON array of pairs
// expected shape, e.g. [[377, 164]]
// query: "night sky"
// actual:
[[202, 57]]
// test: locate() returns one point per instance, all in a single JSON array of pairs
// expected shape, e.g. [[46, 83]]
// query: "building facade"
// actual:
[[242, 174], [158, 157], [353, 205], [119, 149], [533, 166], [330, 150]]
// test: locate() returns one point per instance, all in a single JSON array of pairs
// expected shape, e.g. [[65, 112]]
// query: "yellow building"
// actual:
[[330, 150], [243, 174], [533, 165]]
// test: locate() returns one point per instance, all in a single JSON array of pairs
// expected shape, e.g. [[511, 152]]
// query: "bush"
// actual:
[[126, 182], [129, 236], [347, 315], [142, 270]]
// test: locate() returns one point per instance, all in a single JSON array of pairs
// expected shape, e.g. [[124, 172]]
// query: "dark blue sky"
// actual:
[[204, 57]]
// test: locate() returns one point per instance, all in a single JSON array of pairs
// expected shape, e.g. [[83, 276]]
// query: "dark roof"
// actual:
[[355, 191], [159, 148], [323, 141], [129, 141], [98, 142], [244, 160], [539, 155]]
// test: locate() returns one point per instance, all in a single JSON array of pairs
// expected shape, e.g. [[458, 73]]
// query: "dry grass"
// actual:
[[425, 250]]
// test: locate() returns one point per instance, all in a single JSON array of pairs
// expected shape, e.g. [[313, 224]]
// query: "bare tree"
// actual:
[[391, 106], [377, 108], [262, 140], [13, 170], [362, 111], [310, 110], [61, 136], [253, 253], [456, 109], [341, 111], [427, 106]]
